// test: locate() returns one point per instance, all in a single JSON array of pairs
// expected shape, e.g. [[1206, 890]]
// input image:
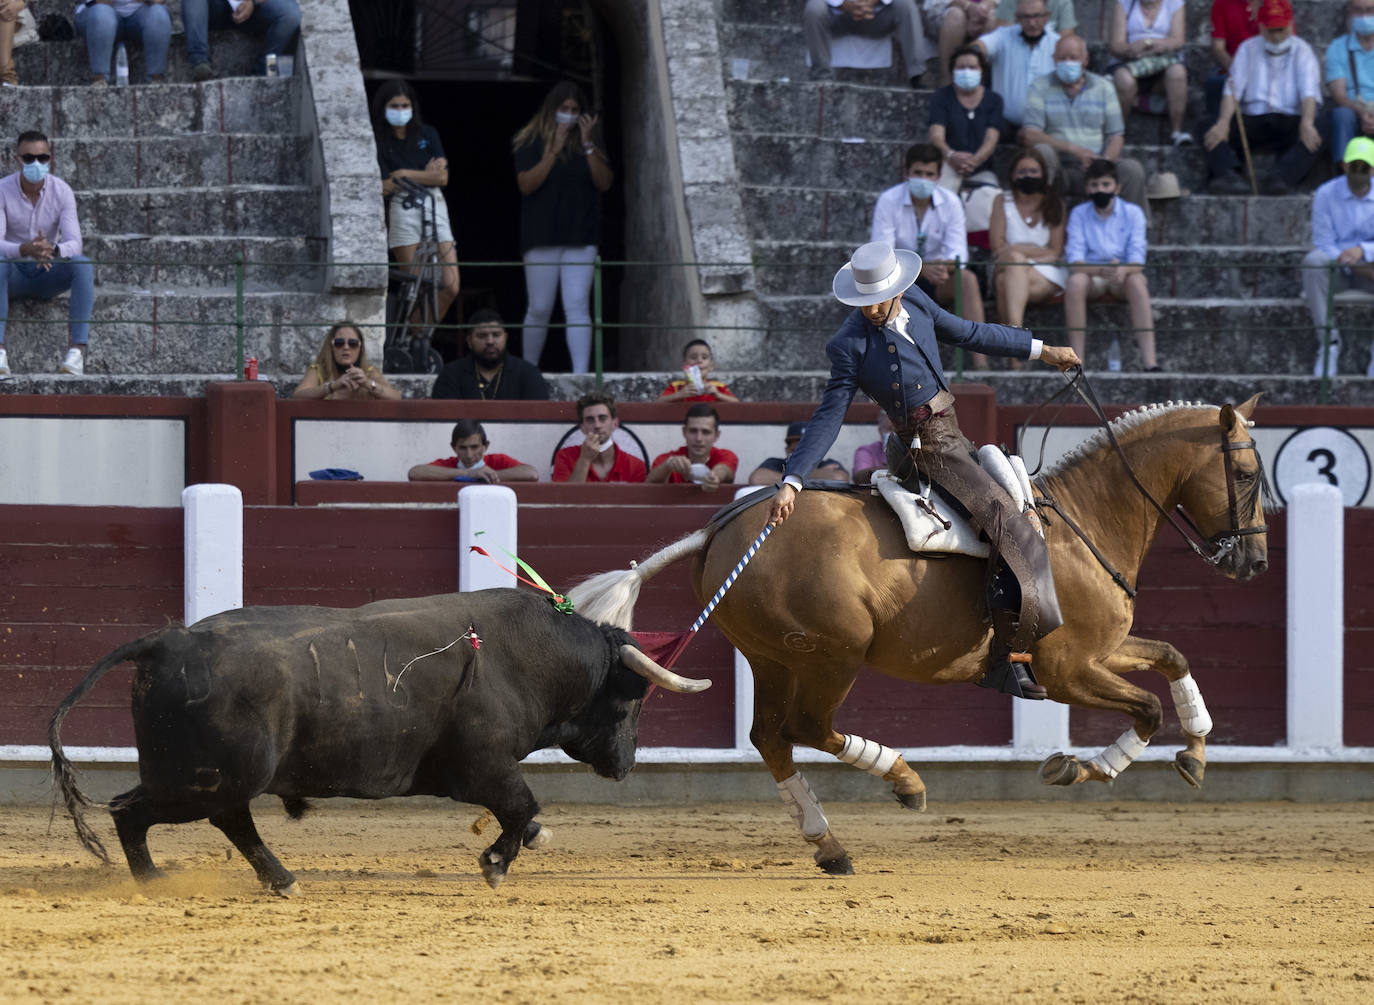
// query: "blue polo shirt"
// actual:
[[1093, 240], [1338, 55]]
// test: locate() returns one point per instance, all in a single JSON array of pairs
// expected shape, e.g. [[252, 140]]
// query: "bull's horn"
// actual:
[[649, 670]]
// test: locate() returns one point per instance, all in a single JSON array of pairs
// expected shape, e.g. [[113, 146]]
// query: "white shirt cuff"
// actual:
[[794, 481], [1036, 346]]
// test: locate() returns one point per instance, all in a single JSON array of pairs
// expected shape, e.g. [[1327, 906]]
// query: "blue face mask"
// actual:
[[35, 172], [399, 116], [921, 188], [1068, 71], [968, 79], [1363, 25]]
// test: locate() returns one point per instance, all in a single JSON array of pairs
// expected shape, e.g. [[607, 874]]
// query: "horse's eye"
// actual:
[[1246, 476]]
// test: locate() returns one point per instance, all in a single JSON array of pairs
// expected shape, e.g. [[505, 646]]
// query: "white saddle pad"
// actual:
[[932, 526]]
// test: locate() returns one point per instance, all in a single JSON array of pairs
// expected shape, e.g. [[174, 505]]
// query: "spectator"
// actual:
[[1350, 78], [966, 121], [561, 180], [1027, 240], [471, 462], [872, 456], [1233, 21], [597, 459], [1343, 234], [700, 461], [823, 20], [955, 23], [770, 471], [1106, 253], [1278, 80], [488, 371], [341, 371], [1073, 118], [1147, 38], [1020, 54], [1062, 17], [278, 21], [40, 242], [9, 24], [700, 386], [918, 215], [102, 24], [410, 153]]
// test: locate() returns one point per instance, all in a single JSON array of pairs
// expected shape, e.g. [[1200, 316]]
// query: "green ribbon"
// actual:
[[560, 602]]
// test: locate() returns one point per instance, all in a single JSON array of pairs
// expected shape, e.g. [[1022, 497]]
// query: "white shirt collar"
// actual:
[[899, 323]]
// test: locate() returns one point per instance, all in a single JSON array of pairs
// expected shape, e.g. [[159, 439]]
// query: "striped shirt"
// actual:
[[1086, 120], [1096, 241], [1274, 84], [1015, 64]]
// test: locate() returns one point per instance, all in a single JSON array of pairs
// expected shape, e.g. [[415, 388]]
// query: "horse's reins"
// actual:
[[1224, 542]]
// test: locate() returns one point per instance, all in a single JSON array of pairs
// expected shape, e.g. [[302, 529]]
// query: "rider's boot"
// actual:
[[1009, 669]]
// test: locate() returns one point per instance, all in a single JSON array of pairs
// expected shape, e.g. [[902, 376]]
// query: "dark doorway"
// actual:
[[480, 69]]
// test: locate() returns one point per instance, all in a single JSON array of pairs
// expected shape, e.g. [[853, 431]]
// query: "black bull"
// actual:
[[440, 696]]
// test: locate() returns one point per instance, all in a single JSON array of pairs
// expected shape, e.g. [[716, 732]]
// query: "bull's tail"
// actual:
[[610, 597], [63, 773]]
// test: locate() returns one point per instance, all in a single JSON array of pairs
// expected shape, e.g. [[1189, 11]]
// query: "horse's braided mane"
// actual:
[[1121, 425]]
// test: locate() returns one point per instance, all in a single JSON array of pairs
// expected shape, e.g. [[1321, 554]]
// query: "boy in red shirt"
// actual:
[[696, 354], [700, 461], [597, 459], [471, 462]]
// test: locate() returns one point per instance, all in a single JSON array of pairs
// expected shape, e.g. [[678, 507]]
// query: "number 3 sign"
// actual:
[[1324, 455]]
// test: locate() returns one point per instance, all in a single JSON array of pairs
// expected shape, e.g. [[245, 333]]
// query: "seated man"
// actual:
[[1275, 82], [597, 459], [278, 21], [1062, 17], [488, 371], [700, 461], [1106, 254], [872, 456], [40, 247], [1020, 54], [822, 20], [954, 23], [471, 462], [1073, 117], [1350, 78], [1343, 233], [770, 471]]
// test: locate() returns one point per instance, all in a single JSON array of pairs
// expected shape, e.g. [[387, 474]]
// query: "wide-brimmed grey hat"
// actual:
[[875, 273]]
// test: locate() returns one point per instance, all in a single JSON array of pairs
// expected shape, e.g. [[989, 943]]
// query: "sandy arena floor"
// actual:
[[974, 902]]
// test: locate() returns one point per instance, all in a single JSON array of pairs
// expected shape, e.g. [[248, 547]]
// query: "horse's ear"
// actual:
[[1228, 417], [1247, 408]]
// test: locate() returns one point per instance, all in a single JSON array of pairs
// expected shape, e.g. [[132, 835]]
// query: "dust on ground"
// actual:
[[973, 902]]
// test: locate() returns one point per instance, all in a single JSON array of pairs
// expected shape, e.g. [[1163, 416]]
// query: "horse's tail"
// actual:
[[610, 597], [63, 773]]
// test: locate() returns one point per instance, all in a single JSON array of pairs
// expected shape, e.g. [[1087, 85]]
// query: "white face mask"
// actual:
[[481, 463], [1277, 48], [566, 118]]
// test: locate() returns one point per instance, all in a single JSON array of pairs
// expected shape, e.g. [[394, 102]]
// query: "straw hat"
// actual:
[[875, 273], [1164, 185]]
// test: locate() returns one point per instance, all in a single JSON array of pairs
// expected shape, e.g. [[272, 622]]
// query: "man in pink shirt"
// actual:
[[40, 247]]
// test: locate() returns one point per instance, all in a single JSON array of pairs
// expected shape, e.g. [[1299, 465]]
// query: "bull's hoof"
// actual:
[[1059, 769], [912, 800], [1190, 767], [836, 866], [537, 835], [150, 875], [291, 889], [493, 869]]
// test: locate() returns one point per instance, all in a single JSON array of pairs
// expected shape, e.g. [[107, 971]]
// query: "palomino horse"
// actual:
[[836, 588]]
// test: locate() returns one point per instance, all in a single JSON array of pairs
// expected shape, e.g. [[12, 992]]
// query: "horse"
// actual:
[[836, 587]]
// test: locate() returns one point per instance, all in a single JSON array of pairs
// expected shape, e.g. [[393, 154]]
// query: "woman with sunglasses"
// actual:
[[341, 371]]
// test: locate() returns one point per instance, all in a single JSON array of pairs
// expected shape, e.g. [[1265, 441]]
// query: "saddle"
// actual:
[[935, 527]]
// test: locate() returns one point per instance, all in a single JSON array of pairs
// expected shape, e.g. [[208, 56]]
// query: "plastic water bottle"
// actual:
[[1114, 356], [121, 66]]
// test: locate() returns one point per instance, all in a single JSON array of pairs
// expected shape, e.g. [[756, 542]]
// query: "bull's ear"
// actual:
[[651, 671]]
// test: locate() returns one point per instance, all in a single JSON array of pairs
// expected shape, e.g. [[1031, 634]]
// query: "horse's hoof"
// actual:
[[1190, 768], [538, 836], [836, 866], [912, 800], [493, 869], [291, 889], [1059, 769]]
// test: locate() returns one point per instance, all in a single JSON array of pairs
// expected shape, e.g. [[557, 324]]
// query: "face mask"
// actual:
[[1363, 25], [399, 116], [481, 463], [968, 79], [1276, 49], [921, 188], [1029, 185], [1068, 71], [1103, 199], [566, 118], [35, 172]]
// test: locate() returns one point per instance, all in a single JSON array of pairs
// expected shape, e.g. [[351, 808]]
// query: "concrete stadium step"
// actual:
[[207, 160], [154, 264], [232, 53], [263, 210]]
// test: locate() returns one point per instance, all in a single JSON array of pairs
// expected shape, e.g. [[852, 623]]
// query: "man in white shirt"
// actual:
[[1275, 83], [822, 20], [1019, 54], [919, 215], [1343, 235]]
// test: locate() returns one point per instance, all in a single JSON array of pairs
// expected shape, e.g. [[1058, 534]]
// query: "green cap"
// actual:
[[1361, 148]]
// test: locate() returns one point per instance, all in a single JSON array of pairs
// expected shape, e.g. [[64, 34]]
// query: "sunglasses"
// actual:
[[351, 343], [40, 158]]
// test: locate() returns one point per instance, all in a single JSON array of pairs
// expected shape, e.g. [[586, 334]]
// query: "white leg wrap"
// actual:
[[804, 807], [867, 755], [1192, 710], [1118, 757]]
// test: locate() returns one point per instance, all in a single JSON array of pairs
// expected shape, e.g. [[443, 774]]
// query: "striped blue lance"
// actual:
[[730, 579]]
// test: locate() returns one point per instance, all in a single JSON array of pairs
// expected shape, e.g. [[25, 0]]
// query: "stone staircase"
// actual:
[[812, 158], [174, 182]]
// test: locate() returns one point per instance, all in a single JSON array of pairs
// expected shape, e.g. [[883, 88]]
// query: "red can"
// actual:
[[250, 368]]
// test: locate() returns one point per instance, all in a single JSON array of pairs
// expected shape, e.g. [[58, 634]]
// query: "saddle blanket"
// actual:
[[932, 526]]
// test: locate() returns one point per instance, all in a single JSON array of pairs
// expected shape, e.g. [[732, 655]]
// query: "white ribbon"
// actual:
[[883, 285]]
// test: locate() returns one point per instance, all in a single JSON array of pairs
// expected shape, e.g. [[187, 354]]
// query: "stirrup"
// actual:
[[1011, 674]]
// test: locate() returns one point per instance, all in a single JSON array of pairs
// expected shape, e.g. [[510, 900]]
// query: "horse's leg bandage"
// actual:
[[804, 807], [1118, 757], [1192, 710], [867, 755]]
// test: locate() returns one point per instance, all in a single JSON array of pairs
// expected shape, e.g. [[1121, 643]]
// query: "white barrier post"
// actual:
[[1039, 727], [1316, 617], [486, 518], [212, 531]]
